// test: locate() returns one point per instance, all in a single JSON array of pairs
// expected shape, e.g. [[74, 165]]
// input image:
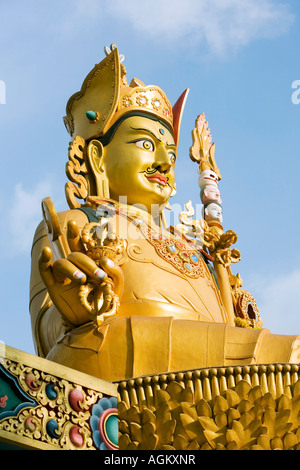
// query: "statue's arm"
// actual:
[[48, 321], [61, 288]]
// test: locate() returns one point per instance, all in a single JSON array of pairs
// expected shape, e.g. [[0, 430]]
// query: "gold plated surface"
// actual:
[[233, 408], [114, 291]]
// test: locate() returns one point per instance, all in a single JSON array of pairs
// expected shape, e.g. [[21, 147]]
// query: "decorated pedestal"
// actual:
[[46, 406]]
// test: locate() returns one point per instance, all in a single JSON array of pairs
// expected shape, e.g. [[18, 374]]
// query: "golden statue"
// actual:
[[115, 292]]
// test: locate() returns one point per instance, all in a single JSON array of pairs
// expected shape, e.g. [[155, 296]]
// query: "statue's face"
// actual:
[[211, 193], [139, 162], [213, 212]]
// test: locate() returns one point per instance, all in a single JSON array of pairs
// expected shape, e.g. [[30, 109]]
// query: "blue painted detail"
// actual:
[[50, 392], [172, 248], [194, 258], [13, 396], [188, 266], [51, 428], [111, 424]]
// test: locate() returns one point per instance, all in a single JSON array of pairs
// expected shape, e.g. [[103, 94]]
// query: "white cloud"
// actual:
[[216, 26], [220, 24]]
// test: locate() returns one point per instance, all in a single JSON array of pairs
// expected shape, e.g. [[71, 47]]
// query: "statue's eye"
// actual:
[[172, 157], [145, 144]]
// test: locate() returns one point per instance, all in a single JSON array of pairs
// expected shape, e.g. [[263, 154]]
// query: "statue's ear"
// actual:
[[95, 153]]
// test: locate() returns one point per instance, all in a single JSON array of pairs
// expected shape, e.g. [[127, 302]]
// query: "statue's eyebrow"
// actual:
[[145, 130], [151, 133]]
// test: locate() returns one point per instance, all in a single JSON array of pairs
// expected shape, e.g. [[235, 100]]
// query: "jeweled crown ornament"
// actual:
[[105, 96]]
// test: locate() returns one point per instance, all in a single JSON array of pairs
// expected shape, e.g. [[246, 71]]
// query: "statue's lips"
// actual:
[[157, 178]]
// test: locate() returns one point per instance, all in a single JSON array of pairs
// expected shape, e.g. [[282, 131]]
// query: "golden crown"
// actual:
[[105, 96]]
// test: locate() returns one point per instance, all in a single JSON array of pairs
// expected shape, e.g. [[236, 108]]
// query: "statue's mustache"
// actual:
[[150, 172]]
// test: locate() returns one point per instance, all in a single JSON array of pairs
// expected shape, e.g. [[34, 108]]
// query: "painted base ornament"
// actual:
[[104, 423], [43, 407]]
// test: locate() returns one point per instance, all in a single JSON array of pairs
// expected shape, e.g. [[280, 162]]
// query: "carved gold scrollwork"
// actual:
[[100, 240], [60, 415], [218, 244], [76, 171], [191, 228], [213, 238], [246, 311], [227, 256]]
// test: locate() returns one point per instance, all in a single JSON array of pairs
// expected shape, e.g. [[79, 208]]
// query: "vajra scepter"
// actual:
[[214, 239]]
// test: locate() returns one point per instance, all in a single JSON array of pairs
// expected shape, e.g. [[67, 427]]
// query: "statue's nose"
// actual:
[[162, 159]]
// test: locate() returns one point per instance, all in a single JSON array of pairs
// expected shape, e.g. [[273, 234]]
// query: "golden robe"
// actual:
[[171, 315]]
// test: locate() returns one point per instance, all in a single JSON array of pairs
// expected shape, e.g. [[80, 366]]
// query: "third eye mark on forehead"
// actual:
[[151, 133]]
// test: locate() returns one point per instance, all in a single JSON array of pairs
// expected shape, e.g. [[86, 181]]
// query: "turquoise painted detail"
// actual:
[[12, 396], [91, 115], [112, 429], [194, 258], [99, 410]]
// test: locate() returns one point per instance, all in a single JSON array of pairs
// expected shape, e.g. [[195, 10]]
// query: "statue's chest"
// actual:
[[183, 256]]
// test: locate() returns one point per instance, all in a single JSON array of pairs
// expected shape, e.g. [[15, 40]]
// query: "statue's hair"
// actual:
[[211, 202]]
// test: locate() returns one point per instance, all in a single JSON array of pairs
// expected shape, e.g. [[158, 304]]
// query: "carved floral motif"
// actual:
[[240, 408], [3, 401]]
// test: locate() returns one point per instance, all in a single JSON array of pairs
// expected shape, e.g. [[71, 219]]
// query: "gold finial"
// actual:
[[203, 151]]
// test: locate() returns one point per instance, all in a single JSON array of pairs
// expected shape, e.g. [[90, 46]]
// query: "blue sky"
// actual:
[[239, 58]]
